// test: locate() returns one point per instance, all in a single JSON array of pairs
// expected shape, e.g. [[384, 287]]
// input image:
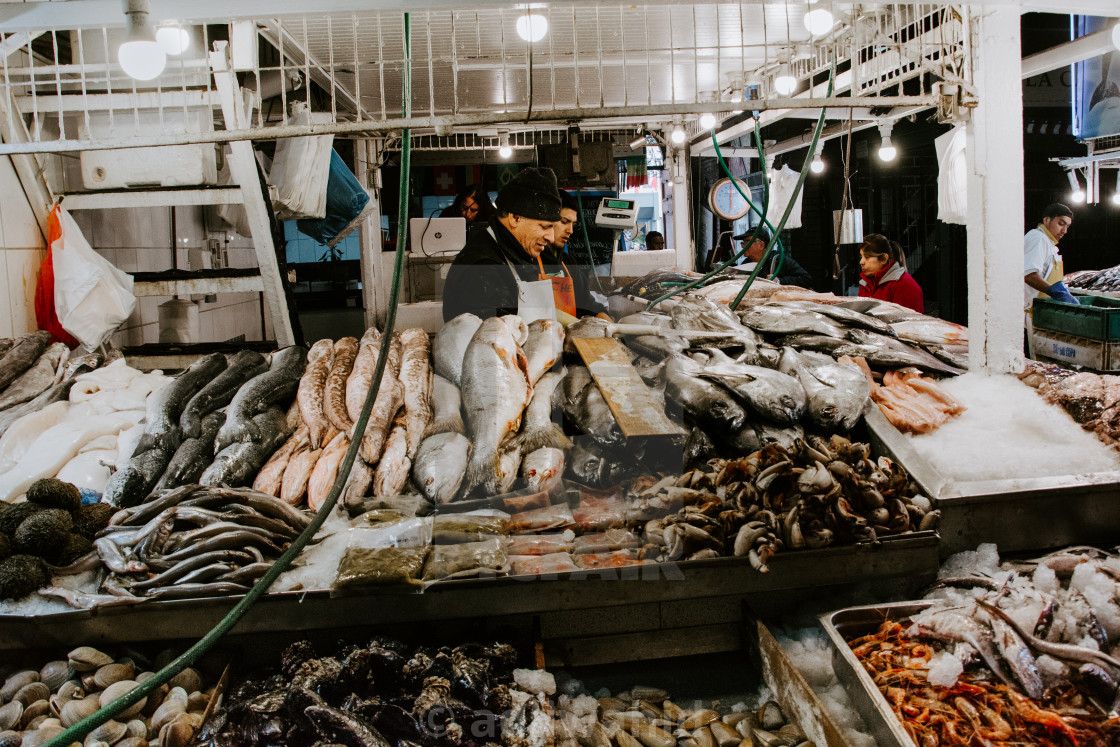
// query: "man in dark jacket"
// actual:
[[482, 279], [790, 273]]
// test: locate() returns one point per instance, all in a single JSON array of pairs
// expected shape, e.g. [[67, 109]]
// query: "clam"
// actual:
[[703, 737], [55, 673], [624, 739], [10, 714], [112, 673], [77, 709], [651, 710], [34, 711], [770, 716], [189, 679], [629, 719], [95, 743], [9, 738], [137, 728], [651, 736], [700, 718], [155, 699], [31, 692], [733, 719], [39, 721], [174, 704], [15, 681], [764, 738], [144, 677], [177, 732], [612, 704], [673, 712], [40, 737], [747, 725], [724, 735], [598, 736], [793, 733], [71, 689], [116, 690], [197, 701], [132, 742], [110, 731], [641, 692], [87, 659]]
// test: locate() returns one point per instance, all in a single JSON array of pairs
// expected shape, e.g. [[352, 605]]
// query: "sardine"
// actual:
[[542, 347], [836, 392], [228, 541], [496, 390], [538, 429], [190, 536], [166, 405], [85, 601], [450, 346], [246, 574], [772, 394], [705, 404], [1064, 651], [192, 457], [1019, 658], [416, 378], [22, 356], [447, 408], [181, 569], [392, 471], [311, 389], [326, 470], [276, 385], [114, 558], [193, 591], [36, 379], [390, 398], [542, 465], [271, 477], [334, 391], [441, 462], [218, 393], [357, 384]]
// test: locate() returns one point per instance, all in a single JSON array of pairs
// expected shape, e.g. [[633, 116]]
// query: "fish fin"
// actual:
[[550, 435], [482, 471], [451, 424]]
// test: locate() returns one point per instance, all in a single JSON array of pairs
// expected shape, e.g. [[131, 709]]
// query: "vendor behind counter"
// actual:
[[502, 269]]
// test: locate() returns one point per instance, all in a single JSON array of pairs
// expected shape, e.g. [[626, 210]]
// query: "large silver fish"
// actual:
[[846, 316], [35, 380], [447, 406], [880, 350], [220, 390], [439, 466], [496, 390], [588, 409], [312, 385], [542, 347], [772, 394], [541, 466], [416, 378], [705, 403], [450, 346], [238, 463], [837, 392], [277, 384], [538, 429], [786, 320]]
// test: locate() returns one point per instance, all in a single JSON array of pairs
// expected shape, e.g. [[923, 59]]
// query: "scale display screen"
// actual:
[[619, 204]]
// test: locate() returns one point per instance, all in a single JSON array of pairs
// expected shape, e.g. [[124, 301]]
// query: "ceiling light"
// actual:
[[784, 82], [639, 141], [678, 135], [817, 166], [887, 151], [174, 39], [1116, 194], [818, 22], [504, 151], [1076, 194], [141, 56], [707, 121], [532, 27]]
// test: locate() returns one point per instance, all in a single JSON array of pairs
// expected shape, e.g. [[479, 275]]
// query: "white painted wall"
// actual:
[[22, 249]]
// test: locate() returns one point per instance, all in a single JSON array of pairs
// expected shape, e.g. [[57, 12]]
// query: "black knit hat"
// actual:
[[568, 201], [531, 194], [763, 235]]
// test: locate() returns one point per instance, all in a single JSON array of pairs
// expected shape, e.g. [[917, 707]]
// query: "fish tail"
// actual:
[[449, 424], [548, 435], [483, 469]]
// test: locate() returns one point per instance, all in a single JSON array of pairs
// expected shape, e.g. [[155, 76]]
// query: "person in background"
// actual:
[[473, 203], [1042, 265], [883, 273], [655, 241], [561, 272], [790, 273]]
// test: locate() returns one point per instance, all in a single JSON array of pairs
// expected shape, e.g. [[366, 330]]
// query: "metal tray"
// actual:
[[1038, 513], [853, 623]]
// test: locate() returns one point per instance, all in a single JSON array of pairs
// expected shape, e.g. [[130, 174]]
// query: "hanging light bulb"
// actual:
[[1116, 194], [707, 121], [1116, 36], [818, 22], [678, 135], [141, 56], [887, 151], [504, 151], [174, 39], [817, 166], [532, 27], [1076, 194], [784, 82]]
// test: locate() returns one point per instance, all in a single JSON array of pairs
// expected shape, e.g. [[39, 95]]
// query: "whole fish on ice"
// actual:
[[276, 385], [334, 390], [392, 471], [311, 388], [450, 346], [219, 392], [705, 404], [441, 462], [193, 456], [543, 345], [236, 465], [537, 427], [416, 378]]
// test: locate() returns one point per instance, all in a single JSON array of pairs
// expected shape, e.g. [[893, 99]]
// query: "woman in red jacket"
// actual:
[[884, 274]]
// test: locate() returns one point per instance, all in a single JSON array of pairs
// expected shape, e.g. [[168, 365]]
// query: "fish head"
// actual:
[[587, 464]]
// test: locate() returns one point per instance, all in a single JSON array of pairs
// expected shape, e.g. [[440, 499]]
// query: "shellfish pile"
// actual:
[[39, 704]]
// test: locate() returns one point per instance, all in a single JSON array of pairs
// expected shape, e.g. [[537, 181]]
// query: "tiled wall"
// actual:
[[303, 248], [22, 248]]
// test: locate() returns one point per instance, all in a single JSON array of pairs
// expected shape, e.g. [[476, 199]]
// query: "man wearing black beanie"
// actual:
[[503, 260]]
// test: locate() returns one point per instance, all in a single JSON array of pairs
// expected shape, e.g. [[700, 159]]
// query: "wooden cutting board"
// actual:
[[632, 403]]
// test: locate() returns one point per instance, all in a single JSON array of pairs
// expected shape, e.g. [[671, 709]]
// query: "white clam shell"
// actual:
[[116, 690], [87, 659]]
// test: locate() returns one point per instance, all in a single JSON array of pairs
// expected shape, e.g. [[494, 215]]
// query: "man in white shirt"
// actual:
[[1042, 265]]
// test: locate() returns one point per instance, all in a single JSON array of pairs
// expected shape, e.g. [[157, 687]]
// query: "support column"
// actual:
[[995, 194], [682, 225], [368, 152]]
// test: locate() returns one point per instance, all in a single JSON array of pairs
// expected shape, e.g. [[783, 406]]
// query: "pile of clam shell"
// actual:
[[36, 706], [647, 718]]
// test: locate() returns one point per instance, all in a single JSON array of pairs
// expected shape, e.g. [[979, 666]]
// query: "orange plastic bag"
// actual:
[[45, 315]]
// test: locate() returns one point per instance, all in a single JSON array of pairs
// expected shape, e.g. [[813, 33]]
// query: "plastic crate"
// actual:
[[1097, 317]]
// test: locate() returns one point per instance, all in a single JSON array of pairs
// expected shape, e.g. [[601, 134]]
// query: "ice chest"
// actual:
[[1096, 318], [1097, 355]]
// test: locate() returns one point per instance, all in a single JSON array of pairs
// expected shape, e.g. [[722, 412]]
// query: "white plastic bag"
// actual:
[[91, 296], [952, 177], [781, 190], [300, 169]]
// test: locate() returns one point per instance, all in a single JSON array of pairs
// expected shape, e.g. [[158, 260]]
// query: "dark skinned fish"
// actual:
[[22, 356], [237, 464], [277, 385], [219, 392], [133, 482], [837, 392], [193, 456], [166, 405], [586, 408], [36, 379], [705, 404], [194, 591], [772, 394]]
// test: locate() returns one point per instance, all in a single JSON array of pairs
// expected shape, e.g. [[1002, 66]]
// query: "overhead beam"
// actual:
[[1078, 50]]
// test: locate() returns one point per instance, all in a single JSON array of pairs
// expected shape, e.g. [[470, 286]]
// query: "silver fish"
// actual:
[[541, 465], [440, 464], [784, 320], [218, 393], [931, 331], [772, 394], [884, 310], [537, 428], [588, 409], [542, 347], [447, 408], [36, 379], [880, 350], [1019, 658], [84, 601], [847, 317], [697, 312], [705, 403], [450, 346], [55, 393], [496, 390], [237, 464], [837, 392]]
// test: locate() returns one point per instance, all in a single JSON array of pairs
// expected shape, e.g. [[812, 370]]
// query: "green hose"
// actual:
[[78, 731]]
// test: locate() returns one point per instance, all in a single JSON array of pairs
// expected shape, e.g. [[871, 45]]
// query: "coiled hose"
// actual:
[[78, 731]]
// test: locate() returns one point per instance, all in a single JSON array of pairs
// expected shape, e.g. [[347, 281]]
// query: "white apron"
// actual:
[[534, 297]]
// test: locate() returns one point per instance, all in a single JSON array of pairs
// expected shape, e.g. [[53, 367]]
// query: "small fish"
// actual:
[[217, 394], [416, 378], [334, 391], [311, 390], [36, 379], [357, 384], [541, 466], [450, 346], [326, 470], [194, 591], [447, 408], [440, 464], [277, 384], [85, 601], [392, 471], [542, 347]]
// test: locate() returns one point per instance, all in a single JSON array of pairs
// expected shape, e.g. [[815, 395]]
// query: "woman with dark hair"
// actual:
[[473, 203], [883, 273]]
